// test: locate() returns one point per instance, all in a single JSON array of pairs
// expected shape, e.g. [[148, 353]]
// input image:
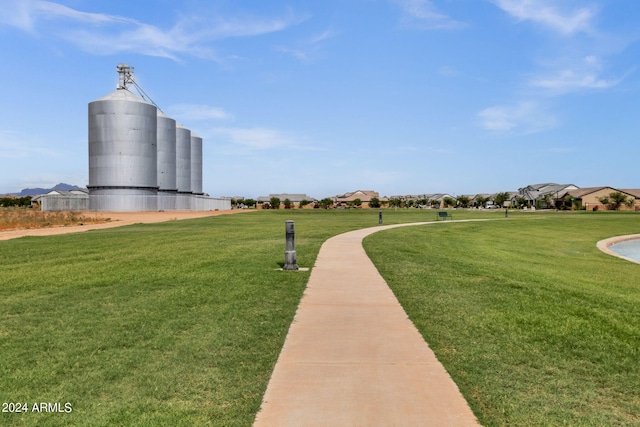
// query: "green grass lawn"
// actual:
[[180, 323], [175, 324], [534, 323]]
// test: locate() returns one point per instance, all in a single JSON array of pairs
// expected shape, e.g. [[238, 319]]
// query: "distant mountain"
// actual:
[[35, 191]]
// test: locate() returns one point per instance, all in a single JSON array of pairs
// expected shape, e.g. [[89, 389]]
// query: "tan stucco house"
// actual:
[[589, 198], [365, 197]]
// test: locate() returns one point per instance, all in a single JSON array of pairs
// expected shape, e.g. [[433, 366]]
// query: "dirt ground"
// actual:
[[117, 219]]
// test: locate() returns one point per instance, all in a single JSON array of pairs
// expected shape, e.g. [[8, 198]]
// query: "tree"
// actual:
[[287, 203], [326, 203], [303, 203], [16, 201], [374, 202], [275, 202], [521, 201], [464, 201], [569, 202], [631, 202], [500, 198], [604, 200], [249, 203], [617, 199], [357, 202], [448, 202], [481, 201], [544, 202], [395, 203]]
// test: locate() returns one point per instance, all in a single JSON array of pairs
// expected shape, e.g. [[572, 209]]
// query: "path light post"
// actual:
[[290, 252], [506, 212], [380, 217]]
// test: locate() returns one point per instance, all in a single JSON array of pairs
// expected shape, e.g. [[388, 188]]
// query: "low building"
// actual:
[[635, 192], [546, 195], [59, 200], [295, 199], [352, 198], [592, 199], [481, 200]]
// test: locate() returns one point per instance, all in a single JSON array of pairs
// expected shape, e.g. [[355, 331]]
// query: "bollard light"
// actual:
[[290, 252]]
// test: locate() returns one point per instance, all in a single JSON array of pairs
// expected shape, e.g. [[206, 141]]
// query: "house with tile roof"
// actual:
[[543, 195], [364, 196], [265, 201], [591, 198]]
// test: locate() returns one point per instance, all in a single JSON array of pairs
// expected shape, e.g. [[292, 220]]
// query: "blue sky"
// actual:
[[325, 97]]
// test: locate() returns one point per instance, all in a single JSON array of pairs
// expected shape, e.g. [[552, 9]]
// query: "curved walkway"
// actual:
[[353, 358]]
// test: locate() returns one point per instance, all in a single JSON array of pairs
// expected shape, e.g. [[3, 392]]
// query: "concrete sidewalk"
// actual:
[[353, 358]]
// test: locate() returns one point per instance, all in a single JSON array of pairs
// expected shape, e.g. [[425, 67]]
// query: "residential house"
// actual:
[[438, 199], [481, 200], [544, 195], [635, 192], [590, 198], [295, 200], [364, 196]]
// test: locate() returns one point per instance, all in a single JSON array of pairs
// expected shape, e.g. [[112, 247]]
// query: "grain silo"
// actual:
[[167, 185], [140, 159], [196, 164], [122, 150], [183, 166]]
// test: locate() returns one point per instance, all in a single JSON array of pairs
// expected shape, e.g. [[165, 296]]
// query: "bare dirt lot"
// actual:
[[117, 219]]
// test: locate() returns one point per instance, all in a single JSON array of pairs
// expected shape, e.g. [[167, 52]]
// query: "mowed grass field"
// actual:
[[181, 323], [535, 324], [175, 324]]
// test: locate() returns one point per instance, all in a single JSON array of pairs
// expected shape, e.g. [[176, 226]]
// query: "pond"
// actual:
[[627, 248]]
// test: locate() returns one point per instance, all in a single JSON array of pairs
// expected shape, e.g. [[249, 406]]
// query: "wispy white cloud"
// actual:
[[570, 80], [546, 13], [53, 10], [521, 118], [325, 35], [197, 112], [109, 34], [308, 49], [261, 138], [583, 75], [422, 14], [18, 14]]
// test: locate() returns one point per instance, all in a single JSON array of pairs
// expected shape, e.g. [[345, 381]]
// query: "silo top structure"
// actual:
[[125, 76]]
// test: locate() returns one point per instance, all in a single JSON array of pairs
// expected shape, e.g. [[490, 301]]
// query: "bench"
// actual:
[[444, 216]]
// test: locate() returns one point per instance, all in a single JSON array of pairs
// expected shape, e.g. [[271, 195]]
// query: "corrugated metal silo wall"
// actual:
[[183, 167], [122, 153], [202, 203], [196, 164], [56, 203], [167, 182]]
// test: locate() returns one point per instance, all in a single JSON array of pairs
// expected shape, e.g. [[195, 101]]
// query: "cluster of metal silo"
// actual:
[[167, 187], [140, 159]]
